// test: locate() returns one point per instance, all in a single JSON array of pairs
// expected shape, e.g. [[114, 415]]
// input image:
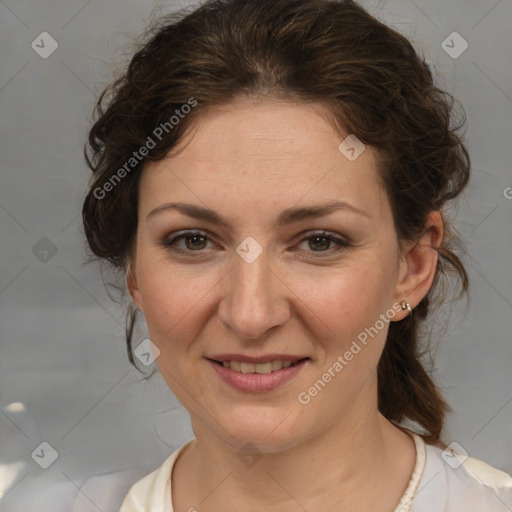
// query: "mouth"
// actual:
[[261, 368], [257, 375]]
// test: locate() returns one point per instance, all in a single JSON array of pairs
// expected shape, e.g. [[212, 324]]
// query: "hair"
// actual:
[[371, 80]]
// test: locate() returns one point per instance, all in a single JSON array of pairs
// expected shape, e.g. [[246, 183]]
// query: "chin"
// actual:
[[269, 429]]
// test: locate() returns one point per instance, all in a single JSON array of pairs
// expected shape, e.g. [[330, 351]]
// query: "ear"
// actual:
[[419, 263], [131, 284]]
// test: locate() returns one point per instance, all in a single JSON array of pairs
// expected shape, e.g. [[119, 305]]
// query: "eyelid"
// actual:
[[341, 242], [168, 242], [323, 232], [190, 232]]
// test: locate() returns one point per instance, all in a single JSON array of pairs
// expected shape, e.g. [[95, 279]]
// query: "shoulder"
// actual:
[[152, 492], [452, 482]]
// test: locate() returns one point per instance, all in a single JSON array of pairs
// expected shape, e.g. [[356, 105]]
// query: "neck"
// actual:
[[360, 463]]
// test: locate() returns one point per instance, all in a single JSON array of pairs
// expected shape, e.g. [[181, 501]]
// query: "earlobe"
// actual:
[[419, 264]]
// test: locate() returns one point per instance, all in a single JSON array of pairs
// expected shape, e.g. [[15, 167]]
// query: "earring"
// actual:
[[405, 305]]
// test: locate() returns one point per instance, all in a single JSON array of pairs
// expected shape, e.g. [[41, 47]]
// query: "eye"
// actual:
[[322, 242], [198, 242], [191, 241]]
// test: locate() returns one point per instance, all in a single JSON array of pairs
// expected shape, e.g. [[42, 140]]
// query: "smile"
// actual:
[[258, 377], [261, 368]]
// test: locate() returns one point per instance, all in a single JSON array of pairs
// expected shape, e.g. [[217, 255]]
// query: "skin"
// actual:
[[249, 161]]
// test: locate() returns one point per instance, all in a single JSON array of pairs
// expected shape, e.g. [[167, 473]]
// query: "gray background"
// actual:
[[64, 374]]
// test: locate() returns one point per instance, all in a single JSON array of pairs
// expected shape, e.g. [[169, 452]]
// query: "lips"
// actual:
[[261, 365], [261, 379], [220, 358], [260, 368]]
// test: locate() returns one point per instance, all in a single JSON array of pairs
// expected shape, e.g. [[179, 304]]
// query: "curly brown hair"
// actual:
[[334, 52]]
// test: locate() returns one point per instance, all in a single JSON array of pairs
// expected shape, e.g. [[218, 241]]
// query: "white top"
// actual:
[[442, 481]]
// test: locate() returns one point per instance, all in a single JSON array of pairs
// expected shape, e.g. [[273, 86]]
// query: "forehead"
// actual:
[[281, 151]]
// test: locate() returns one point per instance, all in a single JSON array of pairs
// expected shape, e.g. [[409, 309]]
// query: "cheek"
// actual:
[[346, 299], [173, 299], [343, 312]]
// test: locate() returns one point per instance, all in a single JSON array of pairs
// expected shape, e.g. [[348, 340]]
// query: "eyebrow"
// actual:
[[289, 216]]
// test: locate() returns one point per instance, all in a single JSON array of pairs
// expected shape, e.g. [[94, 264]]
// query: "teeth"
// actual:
[[264, 367], [261, 368], [247, 367], [276, 365]]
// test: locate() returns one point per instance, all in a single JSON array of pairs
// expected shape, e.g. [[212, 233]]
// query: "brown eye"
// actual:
[[195, 242], [319, 243], [188, 242], [322, 244]]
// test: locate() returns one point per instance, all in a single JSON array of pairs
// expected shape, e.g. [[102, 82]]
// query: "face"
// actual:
[[261, 241]]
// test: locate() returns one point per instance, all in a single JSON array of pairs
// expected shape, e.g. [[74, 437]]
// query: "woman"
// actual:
[[271, 176]]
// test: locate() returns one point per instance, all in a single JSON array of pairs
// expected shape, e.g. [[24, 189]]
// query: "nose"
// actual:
[[254, 301]]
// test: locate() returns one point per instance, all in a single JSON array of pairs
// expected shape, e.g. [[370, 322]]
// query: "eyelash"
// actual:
[[340, 243]]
